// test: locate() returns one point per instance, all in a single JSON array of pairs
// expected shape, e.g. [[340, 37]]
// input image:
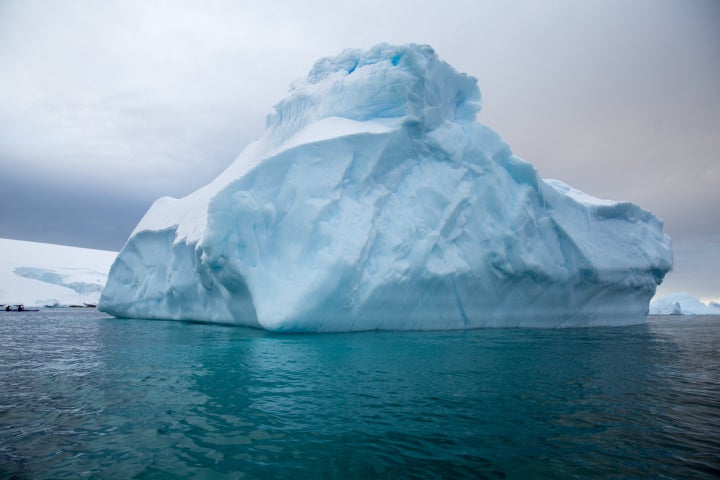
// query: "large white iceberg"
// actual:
[[682, 303], [375, 200]]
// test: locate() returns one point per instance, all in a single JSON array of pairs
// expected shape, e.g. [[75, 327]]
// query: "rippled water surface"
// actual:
[[83, 395]]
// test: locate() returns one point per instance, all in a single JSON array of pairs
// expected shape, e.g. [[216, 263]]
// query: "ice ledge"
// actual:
[[336, 127]]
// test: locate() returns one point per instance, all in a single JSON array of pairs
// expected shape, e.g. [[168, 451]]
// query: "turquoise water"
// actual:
[[83, 395]]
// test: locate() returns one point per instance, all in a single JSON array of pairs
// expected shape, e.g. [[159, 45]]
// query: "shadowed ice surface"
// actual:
[[82, 395]]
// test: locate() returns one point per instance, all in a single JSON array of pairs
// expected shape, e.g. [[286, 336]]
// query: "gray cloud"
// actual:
[[68, 211], [105, 106]]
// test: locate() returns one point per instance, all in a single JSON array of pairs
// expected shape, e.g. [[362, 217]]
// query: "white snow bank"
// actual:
[[39, 274]]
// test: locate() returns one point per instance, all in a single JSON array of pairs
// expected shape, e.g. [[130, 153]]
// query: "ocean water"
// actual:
[[87, 396]]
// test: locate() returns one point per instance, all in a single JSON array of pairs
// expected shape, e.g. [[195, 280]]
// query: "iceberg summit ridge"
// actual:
[[375, 200], [385, 82]]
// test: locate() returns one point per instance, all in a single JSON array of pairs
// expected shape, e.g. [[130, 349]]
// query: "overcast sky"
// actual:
[[105, 106]]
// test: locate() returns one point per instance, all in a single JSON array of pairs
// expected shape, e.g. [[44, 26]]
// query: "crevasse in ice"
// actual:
[[375, 200]]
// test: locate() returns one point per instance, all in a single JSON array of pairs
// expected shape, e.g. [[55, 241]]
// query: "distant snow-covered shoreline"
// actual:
[[40, 274]]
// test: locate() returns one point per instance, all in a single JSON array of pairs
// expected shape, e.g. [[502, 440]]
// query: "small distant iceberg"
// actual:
[[682, 303]]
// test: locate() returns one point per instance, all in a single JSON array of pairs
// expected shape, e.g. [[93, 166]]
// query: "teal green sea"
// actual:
[[87, 396]]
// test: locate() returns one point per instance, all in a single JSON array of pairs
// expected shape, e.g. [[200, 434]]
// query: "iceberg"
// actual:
[[375, 200], [682, 303]]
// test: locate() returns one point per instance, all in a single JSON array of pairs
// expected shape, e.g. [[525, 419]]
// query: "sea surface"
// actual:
[[83, 395]]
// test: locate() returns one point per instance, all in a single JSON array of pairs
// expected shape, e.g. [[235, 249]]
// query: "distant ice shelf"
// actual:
[[375, 200], [39, 274]]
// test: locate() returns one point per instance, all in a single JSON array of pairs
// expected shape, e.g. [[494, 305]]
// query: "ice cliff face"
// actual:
[[376, 201]]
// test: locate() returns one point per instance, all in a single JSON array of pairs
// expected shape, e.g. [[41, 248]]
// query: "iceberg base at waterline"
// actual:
[[376, 201]]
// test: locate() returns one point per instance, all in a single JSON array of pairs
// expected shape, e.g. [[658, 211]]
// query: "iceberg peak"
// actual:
[[387, 82]]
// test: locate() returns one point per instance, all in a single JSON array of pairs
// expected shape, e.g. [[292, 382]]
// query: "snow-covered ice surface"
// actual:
[[39, 274], [682, 303], [375, 200]]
